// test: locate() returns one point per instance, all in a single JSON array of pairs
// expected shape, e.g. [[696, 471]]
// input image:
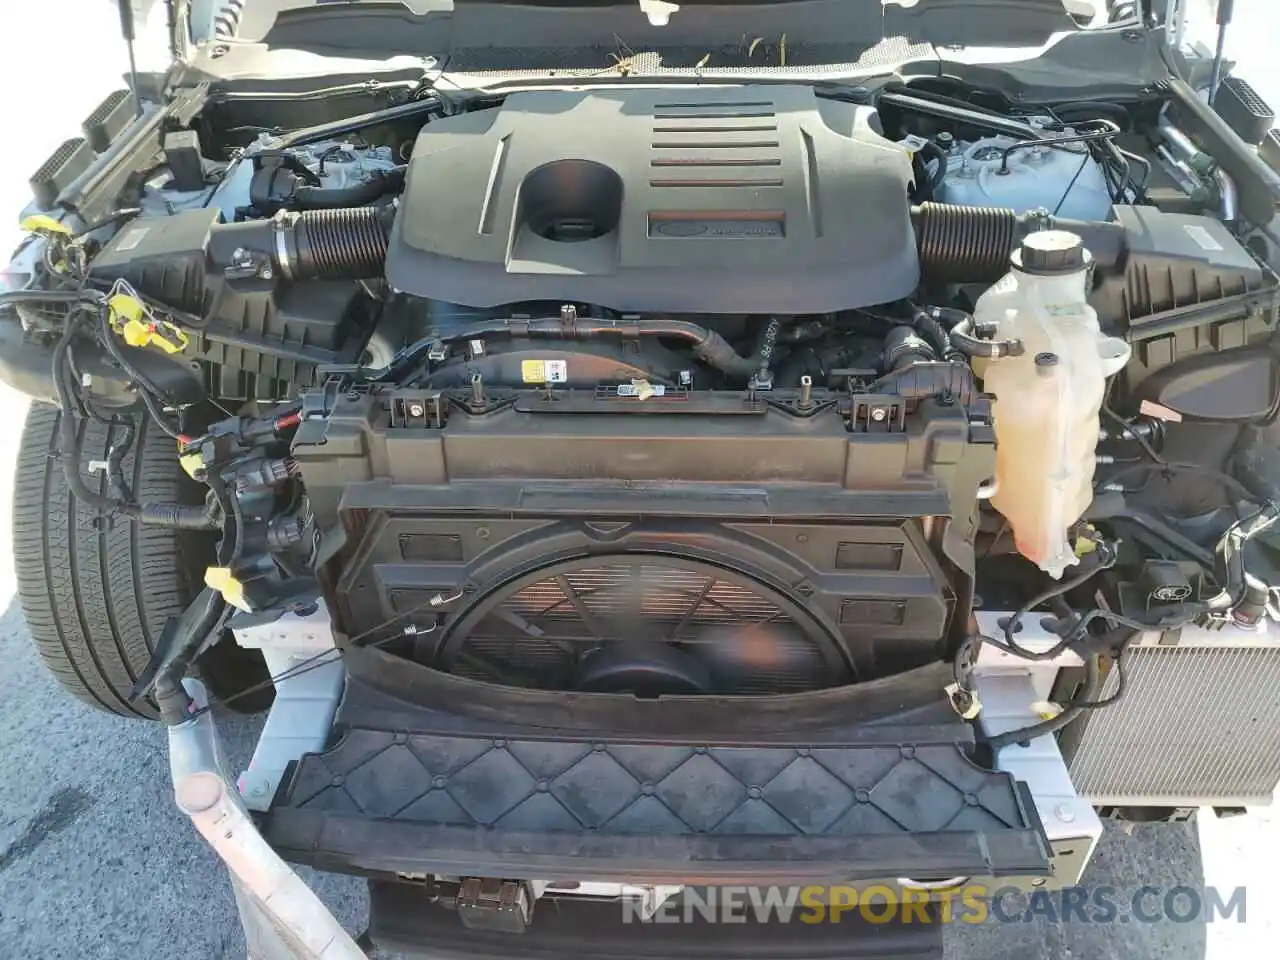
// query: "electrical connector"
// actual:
[[226, 583], [264, 473], [138, 327]]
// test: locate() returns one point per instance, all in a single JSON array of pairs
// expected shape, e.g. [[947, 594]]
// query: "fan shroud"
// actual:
[[645, 624]]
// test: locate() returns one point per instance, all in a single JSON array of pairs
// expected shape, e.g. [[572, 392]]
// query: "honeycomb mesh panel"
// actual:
[[653, 788]]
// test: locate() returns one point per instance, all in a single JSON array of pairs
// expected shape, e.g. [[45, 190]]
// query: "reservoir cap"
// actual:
[[1050, 252]]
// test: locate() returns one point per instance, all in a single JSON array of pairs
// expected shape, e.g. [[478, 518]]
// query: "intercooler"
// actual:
[[1197, 724]]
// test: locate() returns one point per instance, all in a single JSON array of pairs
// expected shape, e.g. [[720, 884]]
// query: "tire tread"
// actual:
[[96, 591]]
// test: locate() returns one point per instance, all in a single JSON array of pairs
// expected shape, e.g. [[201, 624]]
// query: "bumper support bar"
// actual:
[[282, 917]]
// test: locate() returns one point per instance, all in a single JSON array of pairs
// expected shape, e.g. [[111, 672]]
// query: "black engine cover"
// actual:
[[745, 199]]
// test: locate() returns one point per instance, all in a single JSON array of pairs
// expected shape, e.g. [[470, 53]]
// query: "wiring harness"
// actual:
[[1240, 598], [88, 319]]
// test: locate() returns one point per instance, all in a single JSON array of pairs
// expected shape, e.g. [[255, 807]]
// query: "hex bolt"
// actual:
[[878, 414], [417, 409], [477, 390], [806, 392]]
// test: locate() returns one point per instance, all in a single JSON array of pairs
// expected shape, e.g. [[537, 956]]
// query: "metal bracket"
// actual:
[[299, 649], [426, 409], [871, 413], [484, 903], [1010, 689]]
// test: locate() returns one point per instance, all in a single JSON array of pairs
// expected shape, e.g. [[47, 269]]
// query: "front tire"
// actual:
[[97, 590]]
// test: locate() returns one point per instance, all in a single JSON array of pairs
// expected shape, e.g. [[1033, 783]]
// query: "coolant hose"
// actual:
[[716, 351], [939, 156], [381, 184], [965, 339], [963, 244], [708, 346], [929, 324]]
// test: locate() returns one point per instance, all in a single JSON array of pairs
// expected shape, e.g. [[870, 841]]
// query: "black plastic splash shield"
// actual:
[[409, 790], [402, 920]]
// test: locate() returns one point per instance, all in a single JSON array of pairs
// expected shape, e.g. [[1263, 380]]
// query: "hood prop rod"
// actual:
[[1225, 10], [129, 33]]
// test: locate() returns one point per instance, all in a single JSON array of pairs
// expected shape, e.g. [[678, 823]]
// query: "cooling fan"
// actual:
[[646, 625]]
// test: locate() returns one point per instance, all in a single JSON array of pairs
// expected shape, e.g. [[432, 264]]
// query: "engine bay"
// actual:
[[732, 390]]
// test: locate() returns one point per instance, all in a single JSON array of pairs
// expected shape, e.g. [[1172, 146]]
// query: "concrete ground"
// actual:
[[96, 864]]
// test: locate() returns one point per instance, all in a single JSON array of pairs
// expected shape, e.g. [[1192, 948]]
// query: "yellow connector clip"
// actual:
[[54, 231], [1045, 709], [192, 464], [133, 321], [1086, 544], [42, 223], [224, 581]]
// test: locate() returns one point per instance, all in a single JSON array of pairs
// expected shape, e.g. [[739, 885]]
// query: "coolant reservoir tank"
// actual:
[[1047, 397]]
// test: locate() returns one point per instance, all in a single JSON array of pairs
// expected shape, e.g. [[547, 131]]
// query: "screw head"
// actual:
[[878, 414], [416, 409]]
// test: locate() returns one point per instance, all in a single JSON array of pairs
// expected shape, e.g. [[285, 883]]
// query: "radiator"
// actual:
[[1198, 724]]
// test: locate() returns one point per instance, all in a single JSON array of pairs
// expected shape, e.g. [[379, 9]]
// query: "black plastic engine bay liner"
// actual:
[[528, 784]]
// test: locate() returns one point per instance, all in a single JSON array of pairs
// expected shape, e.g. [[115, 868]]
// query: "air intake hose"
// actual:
[[960, 244], [348, 243]]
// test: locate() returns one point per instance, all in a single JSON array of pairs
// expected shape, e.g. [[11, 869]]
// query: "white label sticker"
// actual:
[[544, 371], [132, 238], [912, 144], [644, 392], [1202, 237]]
